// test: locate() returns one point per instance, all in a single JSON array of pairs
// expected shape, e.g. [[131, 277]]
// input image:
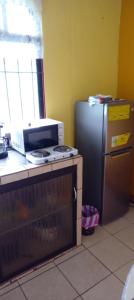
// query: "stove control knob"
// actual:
[[46, 161]]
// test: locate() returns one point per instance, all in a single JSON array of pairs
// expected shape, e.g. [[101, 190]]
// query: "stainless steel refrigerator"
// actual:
[[105, 138]]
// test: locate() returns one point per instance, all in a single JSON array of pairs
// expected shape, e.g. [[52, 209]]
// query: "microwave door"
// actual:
[[42, 137]]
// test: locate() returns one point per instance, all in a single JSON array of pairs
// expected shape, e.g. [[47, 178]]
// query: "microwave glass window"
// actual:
[[38, 137], [45, 137]]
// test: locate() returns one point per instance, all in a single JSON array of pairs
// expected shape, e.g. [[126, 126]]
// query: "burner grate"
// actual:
[[40, 153], [62, 148]]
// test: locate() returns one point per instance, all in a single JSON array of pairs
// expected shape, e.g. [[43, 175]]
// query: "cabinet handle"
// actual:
[[75, 194]]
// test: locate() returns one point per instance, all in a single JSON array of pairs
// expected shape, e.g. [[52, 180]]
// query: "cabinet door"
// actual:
[[28, 200], [47, 225]]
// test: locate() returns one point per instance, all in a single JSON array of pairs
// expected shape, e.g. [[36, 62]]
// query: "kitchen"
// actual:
[[88, 54]]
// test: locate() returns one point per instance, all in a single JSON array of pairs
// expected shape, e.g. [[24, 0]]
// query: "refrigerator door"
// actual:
[[118, 126], [116, 185]]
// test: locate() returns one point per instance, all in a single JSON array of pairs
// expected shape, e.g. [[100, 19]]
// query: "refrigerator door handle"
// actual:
[[120, 155]]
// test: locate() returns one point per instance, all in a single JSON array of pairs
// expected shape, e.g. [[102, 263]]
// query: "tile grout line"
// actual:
[[78, 298], [124, 265], [7, 292], [101, 227], [86, 289], [85, 248], [123, 243], [68, 258], [98, 259], [4, 287], [94, 243], [112, 272], [68, 281], [55, 265], [112, 234], [34, 276], [95, 285], [118, 279], [22, 291]]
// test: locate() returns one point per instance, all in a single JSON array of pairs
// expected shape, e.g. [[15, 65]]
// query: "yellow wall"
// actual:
[[126, 57], [126, 51], [81, 54]]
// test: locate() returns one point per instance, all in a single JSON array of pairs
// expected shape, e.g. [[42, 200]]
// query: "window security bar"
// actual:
[[22, 89]]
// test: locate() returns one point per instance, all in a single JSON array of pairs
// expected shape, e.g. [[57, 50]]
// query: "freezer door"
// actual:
[[116, 185], [118, 126]]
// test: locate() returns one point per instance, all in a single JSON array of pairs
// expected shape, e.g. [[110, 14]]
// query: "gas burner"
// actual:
[[63, 148], [40, 153]]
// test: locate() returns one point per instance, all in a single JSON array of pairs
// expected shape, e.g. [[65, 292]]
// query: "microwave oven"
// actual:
[[36, 135]]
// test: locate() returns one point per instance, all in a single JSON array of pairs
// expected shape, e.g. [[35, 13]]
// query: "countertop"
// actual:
[[15, 167]]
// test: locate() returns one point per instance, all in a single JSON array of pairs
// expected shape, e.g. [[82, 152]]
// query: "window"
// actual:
[[21, 63]]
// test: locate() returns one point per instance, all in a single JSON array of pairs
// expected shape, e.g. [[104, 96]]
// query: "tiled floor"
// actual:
[[96, 270]]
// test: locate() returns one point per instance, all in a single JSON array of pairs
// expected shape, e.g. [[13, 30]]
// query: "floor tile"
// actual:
[[110, 288], [68, 254], [123, 272], [35, 273], [83, 271], [130, 215], [7, 287], [99, 235], [15, 294], [127, 236], [117, 225], [112, 253], [50, 285]]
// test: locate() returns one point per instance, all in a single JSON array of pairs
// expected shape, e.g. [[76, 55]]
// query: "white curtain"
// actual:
[[20, 47], [21, 28]]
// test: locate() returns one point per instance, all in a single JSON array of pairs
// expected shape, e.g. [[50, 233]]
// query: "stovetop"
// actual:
[[46, 155]]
